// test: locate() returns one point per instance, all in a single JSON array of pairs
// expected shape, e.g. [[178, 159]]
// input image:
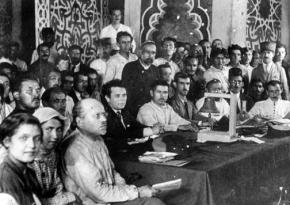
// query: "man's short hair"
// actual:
[[256, 80], [169, 39], [75, 47], [187, 59], [203, 41], [147, 43], [273, 83], [61, 57], [212, 82], [156, 83], [280, 45], [217, 51], [234, 47], [105, 42], [49, 92], [115, 9], [123, 33], [246, 49], [181, 75], [80, 73], [23, 77], [161, 66], [47, 31], [234, 72], [107, 88], [42, 45]]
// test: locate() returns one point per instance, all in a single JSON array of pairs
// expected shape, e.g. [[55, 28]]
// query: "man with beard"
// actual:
[[274, 107], [75, 54], [158, 111], [236, 88], [41, 68], [180, 104], [79, 90], [268, 70], [122, 126], [257, 90], [89, 170], [117, 62], [26, 92], [168, 49], [138, 75], [47, 35]]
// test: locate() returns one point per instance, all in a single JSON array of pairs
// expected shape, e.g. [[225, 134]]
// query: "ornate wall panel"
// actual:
[[76, 22], [42, 17], [5, 20], [263, 21], [186, 20]]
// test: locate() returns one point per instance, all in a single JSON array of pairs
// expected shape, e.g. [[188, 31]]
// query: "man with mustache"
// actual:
[[183, 106], [26, 92], [158, 111], [138, 75], [75, 54], [268, 70], [121, 124], [274, 107], [89, 170], [41, 68]]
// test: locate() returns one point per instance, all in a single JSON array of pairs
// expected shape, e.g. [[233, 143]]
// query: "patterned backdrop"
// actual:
[[186, 20], [263, 21], [74, 21], [5, 20]]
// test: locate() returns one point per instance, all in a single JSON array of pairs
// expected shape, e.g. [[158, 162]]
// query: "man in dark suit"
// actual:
[[121, 125], [79, 90], [138, 75], [75, 54], [236, 87]]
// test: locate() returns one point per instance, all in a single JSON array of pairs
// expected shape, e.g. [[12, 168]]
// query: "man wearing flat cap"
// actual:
[[268, 70]]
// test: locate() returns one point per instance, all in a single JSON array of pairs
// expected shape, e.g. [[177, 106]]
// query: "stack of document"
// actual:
[[142, 140]]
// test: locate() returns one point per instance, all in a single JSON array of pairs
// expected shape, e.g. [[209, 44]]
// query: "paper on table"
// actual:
[[169, 185], [252, 139]]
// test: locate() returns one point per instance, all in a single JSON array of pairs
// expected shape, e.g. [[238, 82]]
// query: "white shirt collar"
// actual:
[[146, 67]]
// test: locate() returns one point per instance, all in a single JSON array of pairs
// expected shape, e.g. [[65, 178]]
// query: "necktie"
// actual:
[[186, 111], [119, 114]]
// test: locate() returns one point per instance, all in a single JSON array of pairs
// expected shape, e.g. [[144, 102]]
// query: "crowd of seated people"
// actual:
[[62, 119]]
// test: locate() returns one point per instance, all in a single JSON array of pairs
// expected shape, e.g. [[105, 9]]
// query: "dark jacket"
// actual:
[[17, 181], [117, 135], [179, 107], [137, 81]]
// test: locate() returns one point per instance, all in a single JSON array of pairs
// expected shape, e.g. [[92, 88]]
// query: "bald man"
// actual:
[[90, 172]]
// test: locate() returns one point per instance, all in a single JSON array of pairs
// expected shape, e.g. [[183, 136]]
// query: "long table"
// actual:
[[218, 173]]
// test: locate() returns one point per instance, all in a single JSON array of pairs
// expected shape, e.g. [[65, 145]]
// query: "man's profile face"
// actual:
[[166, 74], [274, 92], [258, 88], [94, 119], [118, 98], [218, 61], [160, 95], [236, 84], [44, 53], [58, 102], [82, 83], [29, 94], [182, 86], [280, 53], [125, 43], [206, 48], [148, 54], [168, 48], [267, 56]]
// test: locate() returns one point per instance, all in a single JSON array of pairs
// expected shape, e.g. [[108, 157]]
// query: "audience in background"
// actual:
[[14, 49], [75, 54]]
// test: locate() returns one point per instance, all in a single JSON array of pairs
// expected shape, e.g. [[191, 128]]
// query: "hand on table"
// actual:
[[158, 128]]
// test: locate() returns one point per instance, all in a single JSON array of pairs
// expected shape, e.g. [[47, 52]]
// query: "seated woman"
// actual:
[[45, 164], [21, 135]]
